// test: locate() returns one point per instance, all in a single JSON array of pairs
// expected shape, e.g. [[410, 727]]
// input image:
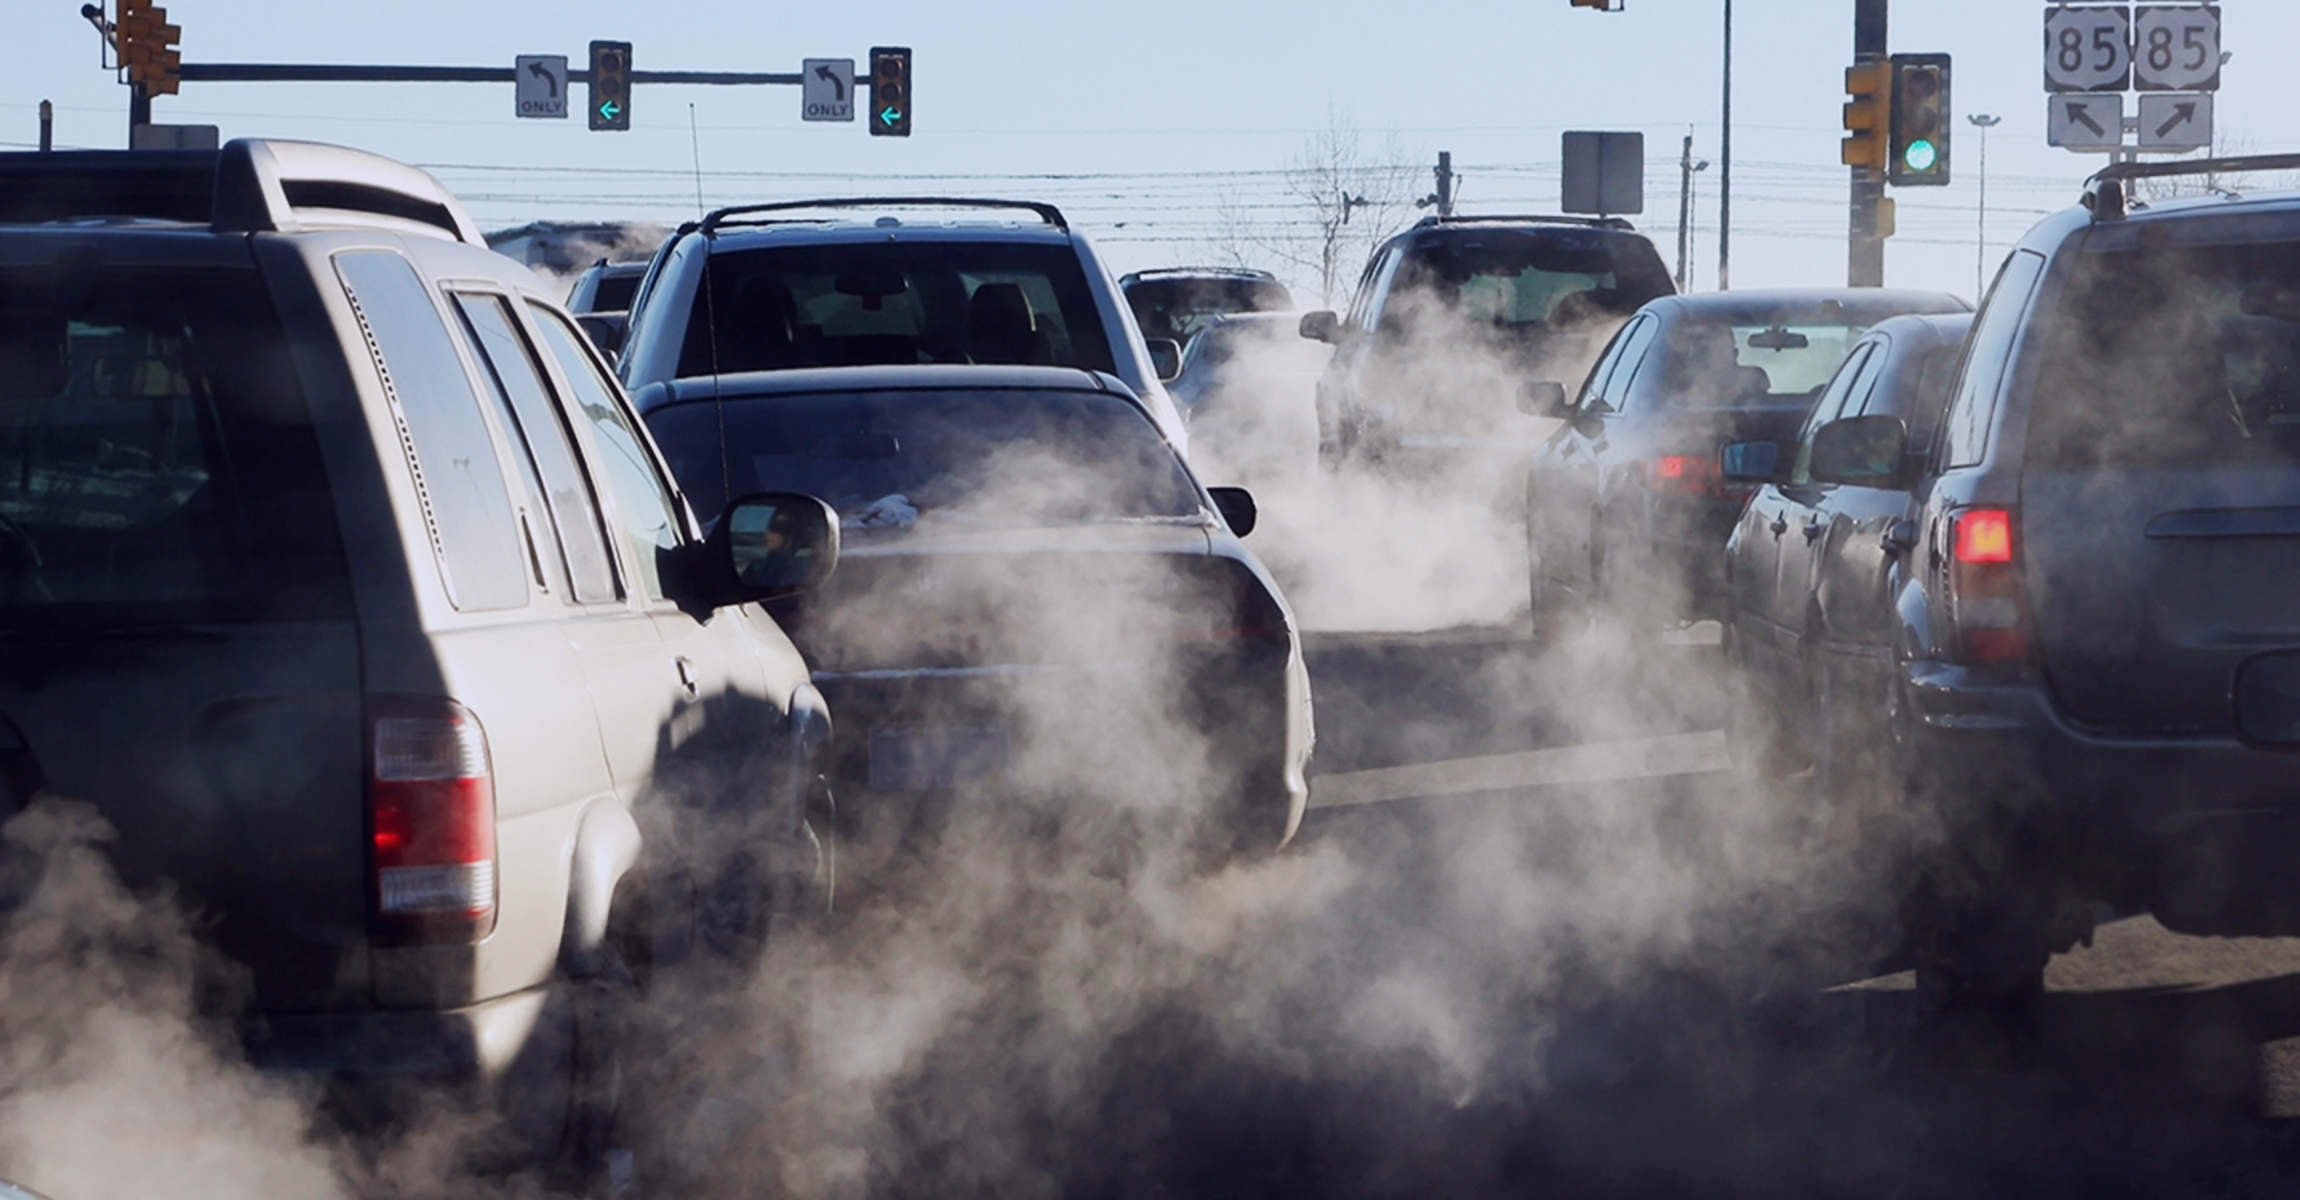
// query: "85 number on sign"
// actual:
[[2176, 48], [2087, 49]]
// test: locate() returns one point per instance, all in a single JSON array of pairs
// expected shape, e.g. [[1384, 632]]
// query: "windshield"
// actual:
[[1752, 364], [892, 460], [1179, 307], [2172, 357], [156, 458], [893, 303]]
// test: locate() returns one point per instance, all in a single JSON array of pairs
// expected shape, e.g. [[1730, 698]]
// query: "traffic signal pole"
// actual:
[[1865, 241]]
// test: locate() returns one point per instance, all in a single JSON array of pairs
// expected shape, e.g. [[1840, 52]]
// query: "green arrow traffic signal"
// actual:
[[890, 91], [611, 85], [609, 109]]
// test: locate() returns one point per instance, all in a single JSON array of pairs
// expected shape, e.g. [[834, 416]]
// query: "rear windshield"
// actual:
[[1550, 280], [1751, 365], [156, 458], [2171, 356], [1179, 307], [614, 291], [890, 460], [895, 302]]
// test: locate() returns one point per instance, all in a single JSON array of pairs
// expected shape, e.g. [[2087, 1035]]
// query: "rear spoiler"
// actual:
[[251, 185]]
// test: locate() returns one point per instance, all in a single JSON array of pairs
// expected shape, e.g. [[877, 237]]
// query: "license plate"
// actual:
[[909, 758]]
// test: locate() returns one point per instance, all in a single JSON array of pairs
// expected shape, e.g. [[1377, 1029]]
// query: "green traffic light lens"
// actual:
[[1921, 156]]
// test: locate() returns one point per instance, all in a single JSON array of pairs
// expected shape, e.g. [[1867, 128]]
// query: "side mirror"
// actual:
[[1322, 326], [1749, 462], [605, 329], [1862, 451], [1544, 398], [1165, 358], [1237, 507], [768, 545]]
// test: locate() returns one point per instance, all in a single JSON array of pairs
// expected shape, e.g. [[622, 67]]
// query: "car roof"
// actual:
[[923, 377], [1805, 304]]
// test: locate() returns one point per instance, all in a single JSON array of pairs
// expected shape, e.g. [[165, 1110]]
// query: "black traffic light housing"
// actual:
[[890, 91], [1921, 121], [611, 85], [147, 47]]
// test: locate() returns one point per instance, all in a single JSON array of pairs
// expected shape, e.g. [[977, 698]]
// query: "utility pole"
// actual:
[[1984, 122], [47, 127], [1686, 166], [1445, 183], [1725, 168], [1865, 245]]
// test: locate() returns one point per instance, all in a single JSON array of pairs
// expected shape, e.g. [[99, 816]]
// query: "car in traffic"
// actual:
[[1248, 391], [1626, 513], [1037, 602], [2093, 703], [812, 284], [1808, 613], [1176, 302], [1453, 316], [605, 287], [339, 576]]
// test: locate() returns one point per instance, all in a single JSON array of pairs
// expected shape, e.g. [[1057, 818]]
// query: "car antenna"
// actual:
[[711, 318]]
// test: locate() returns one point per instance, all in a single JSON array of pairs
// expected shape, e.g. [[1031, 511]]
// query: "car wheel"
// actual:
[[596, 1156]]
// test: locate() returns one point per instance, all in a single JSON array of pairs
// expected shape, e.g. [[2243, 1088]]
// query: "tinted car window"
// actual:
[[1853, 381], [1635, 353], [649, 516], [1751, 365], [903, 302], [613, 292], [1179, 306], [156, 455], [528, 411], [969, 457], [1965, 427], [2172, 356], [464, 498]]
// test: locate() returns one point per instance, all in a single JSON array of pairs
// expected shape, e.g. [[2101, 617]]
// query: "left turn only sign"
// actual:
[[541, 84], [827, 89]]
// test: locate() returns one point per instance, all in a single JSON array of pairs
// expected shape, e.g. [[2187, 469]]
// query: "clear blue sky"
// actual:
[[1169, 110]]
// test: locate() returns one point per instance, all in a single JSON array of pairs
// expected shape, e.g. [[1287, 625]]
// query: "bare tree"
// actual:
[[1343, 198]]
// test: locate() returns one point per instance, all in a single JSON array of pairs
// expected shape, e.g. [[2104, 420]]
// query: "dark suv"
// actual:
[[338, 574], [2098, 693], [1452, 316]]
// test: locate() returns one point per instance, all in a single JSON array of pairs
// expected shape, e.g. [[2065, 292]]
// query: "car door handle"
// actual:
[[1900, 538], [687, 677], [1813, 529], [1779, 526]]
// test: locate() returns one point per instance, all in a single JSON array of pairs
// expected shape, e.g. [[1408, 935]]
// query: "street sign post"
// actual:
[[2176, 48], [1604, 173], [2173, 121], [539, 84], [2089, 121], [827, 89], [2087, 49]]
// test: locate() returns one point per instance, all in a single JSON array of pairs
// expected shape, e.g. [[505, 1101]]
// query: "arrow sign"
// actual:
[[609, 109], [890, 115], [2175, 121], [539, 85], [2088, 121], [827, 89]]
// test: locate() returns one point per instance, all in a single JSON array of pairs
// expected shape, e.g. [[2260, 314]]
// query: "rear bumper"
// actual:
[[2201, 830], [1688, 537], [477, 1042]]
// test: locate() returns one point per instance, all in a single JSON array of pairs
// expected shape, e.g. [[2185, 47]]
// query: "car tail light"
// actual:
[[431, 813], [1689, 475], [1233, 603], [1988, 596]]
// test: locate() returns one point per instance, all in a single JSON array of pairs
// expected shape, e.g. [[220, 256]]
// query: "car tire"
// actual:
[[596, 1157]]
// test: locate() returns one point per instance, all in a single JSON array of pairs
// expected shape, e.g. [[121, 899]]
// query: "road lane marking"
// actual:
[[1594, 762]]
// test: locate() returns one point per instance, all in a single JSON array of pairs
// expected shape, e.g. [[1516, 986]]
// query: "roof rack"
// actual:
[[1046, 212], [1591, 222], [2106, 193], [1225, 272], [251, 185]]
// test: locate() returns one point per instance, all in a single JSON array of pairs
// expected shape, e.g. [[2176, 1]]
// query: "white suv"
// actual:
[[800, 284]]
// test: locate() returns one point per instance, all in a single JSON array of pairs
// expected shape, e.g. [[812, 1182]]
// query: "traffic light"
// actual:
[[1920, 121], [611, 85], [1866, 117], [147, 47], [890, 91]]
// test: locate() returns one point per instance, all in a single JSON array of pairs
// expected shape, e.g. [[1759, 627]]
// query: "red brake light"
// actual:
[[1691, 473], [1988, 595], [431, 808], [1984, 535]]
